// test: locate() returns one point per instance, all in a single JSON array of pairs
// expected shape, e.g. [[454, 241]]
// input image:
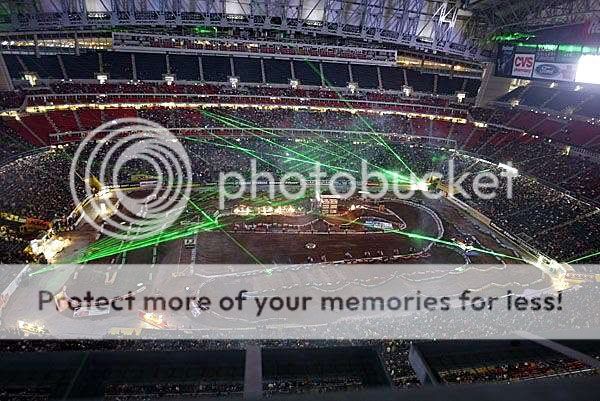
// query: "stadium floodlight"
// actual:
[[31, 77], [353, 87], [294, 83], [587, 69], [169, 79], [102, 77], [407, 90], [461, 96]]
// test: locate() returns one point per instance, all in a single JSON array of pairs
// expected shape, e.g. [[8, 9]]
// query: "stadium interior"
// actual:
[[419, 92]]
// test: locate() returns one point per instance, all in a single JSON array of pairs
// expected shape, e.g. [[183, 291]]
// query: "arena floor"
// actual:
[[277, 263]]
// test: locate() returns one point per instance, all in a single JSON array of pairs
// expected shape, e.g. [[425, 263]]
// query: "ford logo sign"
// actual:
[[547, 70]]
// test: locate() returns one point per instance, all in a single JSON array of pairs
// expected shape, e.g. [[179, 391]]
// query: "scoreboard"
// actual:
[[544, 62], [545, 59]]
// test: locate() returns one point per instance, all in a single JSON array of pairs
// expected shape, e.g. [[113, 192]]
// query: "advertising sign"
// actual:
[[555, 71], [523, 65]]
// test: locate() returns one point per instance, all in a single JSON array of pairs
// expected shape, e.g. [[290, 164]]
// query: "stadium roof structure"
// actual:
[[530, 15], [454, 27], [429, 25]]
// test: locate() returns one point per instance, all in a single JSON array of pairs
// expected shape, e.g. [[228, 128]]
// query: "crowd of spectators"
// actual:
[[12, 247], [547, 218], [146, 88], [393, 354], [11, 99], [313, 384], [539, 211], [516, 371], [151, 391], [37, 186], [11, 144]]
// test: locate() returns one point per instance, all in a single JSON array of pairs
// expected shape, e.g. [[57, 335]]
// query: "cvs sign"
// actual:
[[523, 65]]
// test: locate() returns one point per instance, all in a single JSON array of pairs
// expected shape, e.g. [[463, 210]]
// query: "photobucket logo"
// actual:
[[116, 205], [374, 185]]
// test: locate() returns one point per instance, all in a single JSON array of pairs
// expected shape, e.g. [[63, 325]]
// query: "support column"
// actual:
[[134, 68], [421, 367], [77, 52], [322, 75], [253, 385], [201, 69], [492, 87], [35, 45], [62, 66]]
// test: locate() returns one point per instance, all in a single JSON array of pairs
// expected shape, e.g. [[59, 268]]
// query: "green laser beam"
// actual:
[[589, 256]]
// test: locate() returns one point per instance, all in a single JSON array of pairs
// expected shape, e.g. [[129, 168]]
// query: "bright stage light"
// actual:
[[587, 69], [49, 247]]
